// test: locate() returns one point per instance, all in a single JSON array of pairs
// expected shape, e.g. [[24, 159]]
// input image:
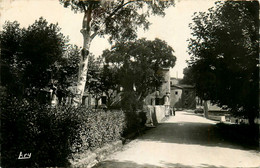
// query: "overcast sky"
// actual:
[[173, 28]]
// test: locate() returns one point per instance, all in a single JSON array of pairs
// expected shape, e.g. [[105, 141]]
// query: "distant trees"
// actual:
[[119, 19], [224, 56], [31, 57]]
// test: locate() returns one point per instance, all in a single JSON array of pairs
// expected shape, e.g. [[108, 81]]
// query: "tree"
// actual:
[[66, 71], [10, 49], [224, 56], [101, 80], [94, 82], [188, 76], [119, 19], [139, 64], [110, 83], [29, 56]]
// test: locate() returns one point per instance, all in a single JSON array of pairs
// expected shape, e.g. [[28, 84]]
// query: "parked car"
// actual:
[[198, 111]]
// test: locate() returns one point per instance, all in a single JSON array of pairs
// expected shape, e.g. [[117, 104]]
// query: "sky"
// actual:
[[173, 28]]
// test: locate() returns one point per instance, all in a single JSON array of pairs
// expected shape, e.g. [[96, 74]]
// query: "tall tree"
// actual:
[[119, 19], [139, 64], [11, 37], [28, 55], [224, 55]]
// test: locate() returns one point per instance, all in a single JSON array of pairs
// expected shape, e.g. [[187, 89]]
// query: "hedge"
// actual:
[[52, 135], [98, 128]]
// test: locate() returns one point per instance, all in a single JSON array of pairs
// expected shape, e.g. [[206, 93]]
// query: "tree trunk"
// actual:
[[206, 109], [83, 67]]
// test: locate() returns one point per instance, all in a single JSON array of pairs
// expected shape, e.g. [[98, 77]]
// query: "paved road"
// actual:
[[185, 140]]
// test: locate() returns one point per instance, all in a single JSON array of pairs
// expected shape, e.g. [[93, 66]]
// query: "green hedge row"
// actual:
[[98, 128], [52, 135]]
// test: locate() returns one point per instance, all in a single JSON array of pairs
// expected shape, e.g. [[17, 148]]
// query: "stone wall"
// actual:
[[155, 114]]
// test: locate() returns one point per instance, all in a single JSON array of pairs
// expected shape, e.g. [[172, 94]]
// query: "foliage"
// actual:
[[94, 81], [47, 134], [188, 76], [119, 19], [28, 56], [10, 47], [110, 80], [52, 135], [99, 128], [66, 71], [135, 118], [139, 64], [102, 79], [224, 55]]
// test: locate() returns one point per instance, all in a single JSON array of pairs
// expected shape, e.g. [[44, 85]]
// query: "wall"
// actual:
[[163, 89], [166, 87], [176, 98], [156, 114], [160, 113], [174, 81]]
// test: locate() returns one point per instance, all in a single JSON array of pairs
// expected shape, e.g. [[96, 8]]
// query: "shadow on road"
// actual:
[[130, 164], [205, 134]]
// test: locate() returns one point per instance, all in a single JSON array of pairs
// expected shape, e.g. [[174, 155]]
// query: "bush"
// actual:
[[135, 121], [44, 132], [99, 128], [52, 135], [135, 117]]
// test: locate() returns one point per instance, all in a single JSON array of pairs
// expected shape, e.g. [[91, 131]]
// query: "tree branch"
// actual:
[[83, 6], [110, 16]]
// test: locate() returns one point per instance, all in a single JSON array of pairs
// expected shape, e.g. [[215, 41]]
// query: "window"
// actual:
[[176, 92]]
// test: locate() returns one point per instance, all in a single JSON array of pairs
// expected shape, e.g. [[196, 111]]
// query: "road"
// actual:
[[184, 140]]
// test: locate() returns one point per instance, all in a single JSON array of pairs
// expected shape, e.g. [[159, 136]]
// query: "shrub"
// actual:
[[44, 132], [99, 128], [135, 117], [52, 135]]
